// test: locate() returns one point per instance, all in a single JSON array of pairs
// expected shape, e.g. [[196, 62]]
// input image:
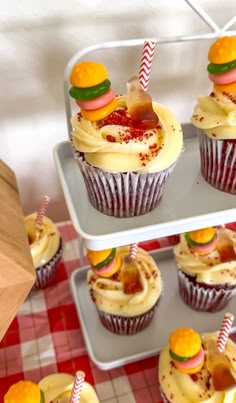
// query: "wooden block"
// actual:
[[17, 274]]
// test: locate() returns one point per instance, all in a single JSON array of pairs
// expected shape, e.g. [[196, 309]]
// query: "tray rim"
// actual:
[[162, 253], [143, 232]]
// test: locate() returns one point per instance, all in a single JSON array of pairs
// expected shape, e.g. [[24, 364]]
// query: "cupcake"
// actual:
[[125, 292], [46, 248], [126, 146], [215, 117], [206, 261], [55, 388], [191, 370]]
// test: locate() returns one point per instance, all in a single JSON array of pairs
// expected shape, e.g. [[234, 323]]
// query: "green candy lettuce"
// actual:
[[107, 260], [194, 243], [85, 94], [213, 68], [176, 357]]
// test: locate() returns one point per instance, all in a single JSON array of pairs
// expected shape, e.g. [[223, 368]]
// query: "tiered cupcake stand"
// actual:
[[183, 208]]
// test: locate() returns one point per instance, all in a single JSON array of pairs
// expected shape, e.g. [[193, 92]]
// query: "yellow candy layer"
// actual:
[[202, 235], [100, 113], [88, 74], [97, 256], [223, 50], [225, 88], [185, 342]]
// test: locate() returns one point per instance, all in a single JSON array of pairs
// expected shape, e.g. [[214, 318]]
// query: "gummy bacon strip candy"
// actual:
[[92, 90]]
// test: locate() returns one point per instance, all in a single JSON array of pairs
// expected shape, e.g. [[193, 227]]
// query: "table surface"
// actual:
[[45, 337]]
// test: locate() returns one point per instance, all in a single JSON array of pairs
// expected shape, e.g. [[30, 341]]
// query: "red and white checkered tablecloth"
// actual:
[[45, 337]]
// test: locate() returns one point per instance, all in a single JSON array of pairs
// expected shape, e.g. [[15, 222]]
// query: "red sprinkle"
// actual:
[[194, 377], [129, 133], [111, 139], [121, 118], [230, 97]]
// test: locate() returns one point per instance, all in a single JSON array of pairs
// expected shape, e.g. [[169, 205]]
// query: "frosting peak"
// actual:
[[44, 241], [216, 267], [111, 295], [215, 114], [180, 387], [114, 145]]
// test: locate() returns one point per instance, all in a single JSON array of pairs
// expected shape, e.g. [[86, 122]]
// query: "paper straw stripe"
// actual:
[[77, 387], [224, 331], [133, 251], [42, 210], [146, 63]]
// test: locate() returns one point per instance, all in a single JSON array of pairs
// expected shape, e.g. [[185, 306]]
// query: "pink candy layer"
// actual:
[[205, 248], [98, 102], [224, 78], [192, 362], [105, 269]]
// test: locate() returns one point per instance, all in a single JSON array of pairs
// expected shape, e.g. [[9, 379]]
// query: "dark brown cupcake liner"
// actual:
[[163, 396], [46, 273], [122, 194], [218, 162], [127, 325], [202, 298]]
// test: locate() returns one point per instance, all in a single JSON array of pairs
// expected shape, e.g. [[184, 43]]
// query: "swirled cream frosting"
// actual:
[[114, 145], [183, 388], [57, 388], [44, 239], [215, 114], [217, 267], [108, 293]]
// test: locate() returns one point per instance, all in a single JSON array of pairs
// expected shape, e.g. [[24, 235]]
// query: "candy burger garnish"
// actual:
[[202, 241], [105, 263], [222, 66], [186, 351], [92, 90], [24, 391]]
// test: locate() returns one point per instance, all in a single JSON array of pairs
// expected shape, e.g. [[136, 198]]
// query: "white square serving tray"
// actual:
[[108, 350]]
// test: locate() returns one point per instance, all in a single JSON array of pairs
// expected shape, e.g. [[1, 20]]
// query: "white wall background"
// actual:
[[37, 38]]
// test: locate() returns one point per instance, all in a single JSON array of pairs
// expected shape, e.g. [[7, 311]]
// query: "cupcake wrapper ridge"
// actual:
[[203, 299], [123, 194], [45, 274], [218, 162], [127, 325]]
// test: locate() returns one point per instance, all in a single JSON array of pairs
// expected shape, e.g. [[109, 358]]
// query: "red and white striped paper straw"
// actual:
[[42, 210], [133, 251], [146, 63], [224, 331], [77, 387]]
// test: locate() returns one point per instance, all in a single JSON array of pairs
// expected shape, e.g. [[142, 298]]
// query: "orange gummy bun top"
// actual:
[[88, 74], [185, 342], [23, 392], [96, 257], [223, 50]]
